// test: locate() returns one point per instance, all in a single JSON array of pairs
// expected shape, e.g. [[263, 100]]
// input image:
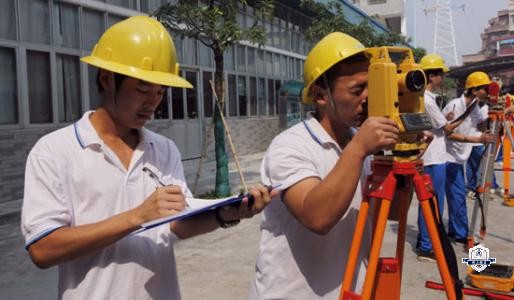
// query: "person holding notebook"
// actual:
[[88, 186]]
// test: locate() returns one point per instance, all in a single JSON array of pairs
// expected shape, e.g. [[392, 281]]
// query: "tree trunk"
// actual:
[[222, 188]]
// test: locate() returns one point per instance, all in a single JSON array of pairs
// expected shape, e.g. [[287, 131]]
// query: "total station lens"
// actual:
[[415, 80]]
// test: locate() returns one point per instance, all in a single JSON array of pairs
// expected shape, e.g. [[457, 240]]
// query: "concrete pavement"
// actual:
[[220, 265]]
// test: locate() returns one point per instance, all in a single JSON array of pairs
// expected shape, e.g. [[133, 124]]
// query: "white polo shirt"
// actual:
[[294, 262], [459, 152], [436, 151], [72, 178]]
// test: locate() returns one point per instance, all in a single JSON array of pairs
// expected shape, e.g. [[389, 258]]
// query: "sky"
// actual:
[[469, 22]]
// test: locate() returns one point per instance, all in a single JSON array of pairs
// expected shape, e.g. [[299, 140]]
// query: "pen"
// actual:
[[156, 179]]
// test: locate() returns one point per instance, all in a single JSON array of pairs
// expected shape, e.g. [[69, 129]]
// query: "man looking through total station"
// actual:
[[320, 162]]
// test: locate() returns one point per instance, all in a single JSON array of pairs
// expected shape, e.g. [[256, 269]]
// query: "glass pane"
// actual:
[[113, 19], [162, 110], [8, 90], [260, 62], [283, 65], [40, 94], [68, 88], [7, 20], [229, 59], [92, 28], [251, 60], [177, 103], [207, 94], [232, 96], [253, 96], [241, 91], [124, 3], [190, 49], [261, 91], [150, 6], [271, 97], [66, 22], [205, 55], [95, 99], [36, 21], [178, 41], [278, 84], [276, 64], [269, 65], [241, 63], [192, 101]]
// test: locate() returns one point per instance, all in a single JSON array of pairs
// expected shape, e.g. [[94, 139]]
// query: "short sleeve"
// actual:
[[287, 165], [434, 113], [44, 207]]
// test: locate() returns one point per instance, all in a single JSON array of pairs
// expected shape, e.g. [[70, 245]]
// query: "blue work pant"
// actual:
[[456, 196], [473, 168]]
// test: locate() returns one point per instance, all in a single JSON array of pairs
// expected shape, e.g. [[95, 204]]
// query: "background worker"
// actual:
[[86, 188], [458, 146], [435, 157], [307, 235], [476, 85]]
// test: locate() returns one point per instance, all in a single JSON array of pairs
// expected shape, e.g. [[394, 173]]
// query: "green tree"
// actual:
[[214, 24], [330, 17]]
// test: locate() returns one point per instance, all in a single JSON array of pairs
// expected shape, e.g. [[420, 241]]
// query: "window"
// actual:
[[8, 87], [178, 42], [261, 92], [150, 6], [68, 88], [269, 63], [250, 60], [253, 96], [113, 19], [276, 64], [191, 98], [40, 94], [241, 63], [65, 24], [94, 95], [205, 55], [232, 96], [36, 21], [241, 91], [7, 20], [190, 51], [92, 27], [271, 97], [260, 62], [161, 112], [371, 2], [124, 3], [278, 84], [207, 94], [229, 59], [177, 103]]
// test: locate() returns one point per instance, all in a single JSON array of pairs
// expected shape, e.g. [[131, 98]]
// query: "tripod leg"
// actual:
[[353, 255]]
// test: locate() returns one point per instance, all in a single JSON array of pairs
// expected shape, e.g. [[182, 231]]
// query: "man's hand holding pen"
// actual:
[[164, 201]]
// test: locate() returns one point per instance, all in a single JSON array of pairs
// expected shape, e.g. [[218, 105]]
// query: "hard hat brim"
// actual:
[[155, 77]]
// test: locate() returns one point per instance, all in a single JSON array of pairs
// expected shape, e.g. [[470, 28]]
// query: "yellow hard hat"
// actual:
[[330, 50], [139, 47], [478, 78], [433, 62]]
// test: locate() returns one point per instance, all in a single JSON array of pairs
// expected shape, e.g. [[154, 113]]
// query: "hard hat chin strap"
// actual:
[[330, 98]]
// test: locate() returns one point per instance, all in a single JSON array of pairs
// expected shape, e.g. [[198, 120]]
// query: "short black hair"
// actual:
[[435, 72], [469, 92], [118, 79]]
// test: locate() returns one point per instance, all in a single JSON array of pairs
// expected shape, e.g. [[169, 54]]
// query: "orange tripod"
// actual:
[[383, 275]]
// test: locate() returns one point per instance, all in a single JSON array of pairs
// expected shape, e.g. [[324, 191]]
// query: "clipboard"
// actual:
[[466, 113], [198, 206]]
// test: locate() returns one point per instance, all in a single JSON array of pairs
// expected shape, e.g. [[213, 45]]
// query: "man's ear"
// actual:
[[318, 94], [105, 78]]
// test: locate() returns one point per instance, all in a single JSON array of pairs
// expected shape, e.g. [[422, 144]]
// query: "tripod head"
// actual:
[[396, 84]]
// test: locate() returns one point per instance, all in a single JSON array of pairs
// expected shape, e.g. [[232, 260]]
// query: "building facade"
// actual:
[[43, 85], [389, 13]]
